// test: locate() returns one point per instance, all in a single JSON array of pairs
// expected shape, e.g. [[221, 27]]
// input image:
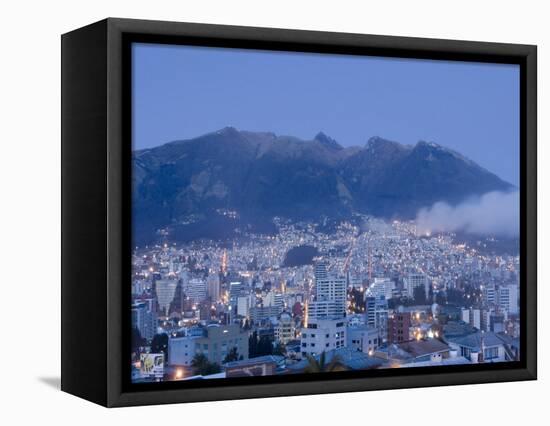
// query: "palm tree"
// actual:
[[199, 363], [232, 355], [321, 366]]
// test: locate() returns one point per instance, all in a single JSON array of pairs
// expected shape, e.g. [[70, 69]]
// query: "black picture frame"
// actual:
[[96, 210]]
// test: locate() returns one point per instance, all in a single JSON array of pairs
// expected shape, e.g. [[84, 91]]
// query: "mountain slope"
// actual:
[[190, 186]]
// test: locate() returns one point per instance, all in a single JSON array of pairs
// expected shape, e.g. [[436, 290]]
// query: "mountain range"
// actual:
[[205, 186]]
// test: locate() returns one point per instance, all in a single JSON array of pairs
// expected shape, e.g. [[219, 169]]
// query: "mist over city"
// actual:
[[493, 213]]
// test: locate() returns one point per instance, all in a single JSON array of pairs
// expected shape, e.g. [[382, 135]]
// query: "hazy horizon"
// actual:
[[182, 92]]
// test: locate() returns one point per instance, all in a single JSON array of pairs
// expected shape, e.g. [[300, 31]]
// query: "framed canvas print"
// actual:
[[253, 212]]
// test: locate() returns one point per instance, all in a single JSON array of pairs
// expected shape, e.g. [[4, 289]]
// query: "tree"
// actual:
[[456, 297], [358, 300], [160, 344], [265, 346], [440, 298], [232, 355], [321, 366], [201, 365], [253, 344], [279, 349], [419, 295], [259, 347], [136, 339]]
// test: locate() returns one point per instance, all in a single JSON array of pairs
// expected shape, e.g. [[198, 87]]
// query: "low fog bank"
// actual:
[[494, 213]]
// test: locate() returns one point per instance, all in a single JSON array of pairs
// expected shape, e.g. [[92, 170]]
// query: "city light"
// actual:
[[357, 297]]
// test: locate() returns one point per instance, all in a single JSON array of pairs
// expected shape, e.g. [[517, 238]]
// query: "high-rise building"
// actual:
[[273, 299], [381, 287], [332, 289], [195, 289], [398, 327], [140, 286], [261, 313], [177, 304], [370, 311], [144, 319], [244, 303], [496, 322], [330, 294], [472, 316], [322, 335], [466, 315], [508, 298], [324, 309], [285, 329], [376, 315], [475, 318], [485, 323], [236, 289], [489, 295], [165, 291], [321, 271], [214, 287], [413, 281]]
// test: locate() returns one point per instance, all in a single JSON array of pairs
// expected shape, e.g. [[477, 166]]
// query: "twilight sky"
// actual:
[[181, 92]]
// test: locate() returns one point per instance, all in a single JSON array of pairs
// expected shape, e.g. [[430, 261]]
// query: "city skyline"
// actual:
[[291, 252], [368, 299]]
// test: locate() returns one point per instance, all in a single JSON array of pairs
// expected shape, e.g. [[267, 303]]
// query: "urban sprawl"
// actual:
[[379, 295]]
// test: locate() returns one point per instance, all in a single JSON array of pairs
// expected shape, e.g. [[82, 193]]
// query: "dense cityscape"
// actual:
[[311, 298]]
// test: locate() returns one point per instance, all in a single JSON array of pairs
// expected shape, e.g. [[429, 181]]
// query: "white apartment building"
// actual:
[[332, 289], [472, 316], [181, 350], [489, 295], [324, 309], [363, 338], [323, 334], [508, 298], [413, 281], [381, 287], [195, 289], [244, 303], [144, 319], [285, 329]]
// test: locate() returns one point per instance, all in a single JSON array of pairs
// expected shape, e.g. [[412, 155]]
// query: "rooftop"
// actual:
[[473, 341], [458, 360], [350, 358], [276, 359], [419, 348]]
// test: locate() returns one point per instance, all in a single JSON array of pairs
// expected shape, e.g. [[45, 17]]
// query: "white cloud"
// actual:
[[494, 213]]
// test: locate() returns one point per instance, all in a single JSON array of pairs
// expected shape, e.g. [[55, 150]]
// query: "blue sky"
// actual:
[[181, 92]]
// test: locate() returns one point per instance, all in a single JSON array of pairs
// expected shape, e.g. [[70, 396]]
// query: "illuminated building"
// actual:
[[363, 338], [165, 291], [195, 289], [323, 334], [285, 330], [398, 327], [413, 281], [144, 319], [214, 341], [214, 288]]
